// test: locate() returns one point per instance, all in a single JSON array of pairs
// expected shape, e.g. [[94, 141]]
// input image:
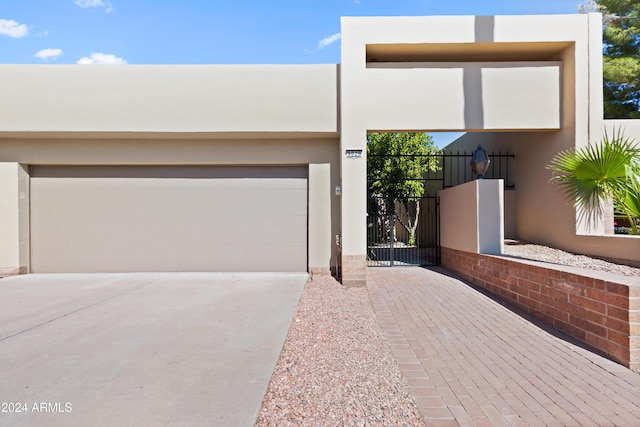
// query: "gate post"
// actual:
[[392, 229]]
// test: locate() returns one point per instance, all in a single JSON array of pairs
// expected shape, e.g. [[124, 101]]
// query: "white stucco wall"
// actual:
[[472, 217], [463, 96], [459, 218], [169, 98], [628, 128]]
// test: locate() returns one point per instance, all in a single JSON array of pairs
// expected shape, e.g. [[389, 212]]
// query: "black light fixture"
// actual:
[[479, 162]]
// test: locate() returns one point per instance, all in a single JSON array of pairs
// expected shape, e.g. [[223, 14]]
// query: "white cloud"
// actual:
[[328, 40], [85, 4], [13, 29], [45, 54], [101, 58], [89, 3]]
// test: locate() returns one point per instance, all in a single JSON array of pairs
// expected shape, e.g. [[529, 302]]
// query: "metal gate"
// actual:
[[403, 232]]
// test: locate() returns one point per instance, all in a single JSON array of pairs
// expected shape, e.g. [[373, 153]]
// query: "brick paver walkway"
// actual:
[[471, 361]]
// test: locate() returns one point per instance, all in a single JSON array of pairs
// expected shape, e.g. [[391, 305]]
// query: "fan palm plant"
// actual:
[[628, 203], [591, 175]]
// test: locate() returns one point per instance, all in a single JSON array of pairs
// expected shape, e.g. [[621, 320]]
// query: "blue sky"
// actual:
[[211, 31]]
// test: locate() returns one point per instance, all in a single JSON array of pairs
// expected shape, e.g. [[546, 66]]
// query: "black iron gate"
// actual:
[[403, 232]]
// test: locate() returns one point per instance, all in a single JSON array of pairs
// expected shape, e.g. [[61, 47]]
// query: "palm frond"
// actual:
[[589, 176]]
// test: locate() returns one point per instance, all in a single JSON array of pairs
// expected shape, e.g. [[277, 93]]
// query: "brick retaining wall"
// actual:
[[598, 309]]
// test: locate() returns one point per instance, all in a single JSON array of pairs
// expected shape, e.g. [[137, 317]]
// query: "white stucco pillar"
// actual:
[[354, 209], [353, 172], [490, 211], [320, 238], [14, 219]]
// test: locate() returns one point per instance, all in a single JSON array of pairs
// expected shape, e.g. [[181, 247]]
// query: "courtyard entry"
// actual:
[[403, 178], [402, 211]]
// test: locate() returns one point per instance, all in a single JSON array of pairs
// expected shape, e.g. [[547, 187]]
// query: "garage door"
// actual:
[[161, 218]]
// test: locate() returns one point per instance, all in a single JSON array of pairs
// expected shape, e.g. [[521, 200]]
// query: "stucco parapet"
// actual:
[[197, 98], [468, 29]]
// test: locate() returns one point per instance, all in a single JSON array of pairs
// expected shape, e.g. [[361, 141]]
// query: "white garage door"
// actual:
[[166, 218]]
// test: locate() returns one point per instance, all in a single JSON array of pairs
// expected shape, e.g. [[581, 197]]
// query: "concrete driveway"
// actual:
[[141, 349]]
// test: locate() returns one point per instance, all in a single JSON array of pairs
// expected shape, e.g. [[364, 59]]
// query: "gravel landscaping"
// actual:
[[336, 368], [542, 253]]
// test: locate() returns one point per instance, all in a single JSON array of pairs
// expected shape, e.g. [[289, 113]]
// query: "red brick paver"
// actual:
[[471, 361]]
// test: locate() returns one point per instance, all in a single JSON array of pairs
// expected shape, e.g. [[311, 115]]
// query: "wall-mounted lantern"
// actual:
[[479, 162]]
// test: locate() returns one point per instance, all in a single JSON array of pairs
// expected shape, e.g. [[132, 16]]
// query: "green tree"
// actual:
[[593, 174], [621, 63], [397, 162]]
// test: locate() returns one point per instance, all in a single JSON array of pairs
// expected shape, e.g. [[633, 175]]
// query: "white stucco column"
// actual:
[[320, 239], [353, 136], [490, 211], [592, 118], [14, 219], [354, 208]]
